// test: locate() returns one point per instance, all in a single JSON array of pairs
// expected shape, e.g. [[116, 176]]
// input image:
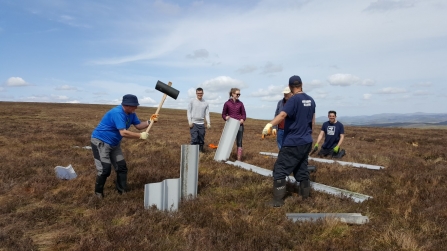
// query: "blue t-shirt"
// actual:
[[113, 121], [300, 109], [332, 134]]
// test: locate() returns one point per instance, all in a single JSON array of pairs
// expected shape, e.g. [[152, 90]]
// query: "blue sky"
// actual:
[[358, 57]]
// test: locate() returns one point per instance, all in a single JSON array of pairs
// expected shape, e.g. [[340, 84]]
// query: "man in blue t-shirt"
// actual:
[[334, 134], [106, 139], [299, 116]]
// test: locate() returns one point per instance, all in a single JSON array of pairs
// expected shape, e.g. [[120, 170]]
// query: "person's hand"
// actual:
[[336, 149], [144, 135], [208, 126], [227, 117], [154, 118], [274, 132], [190, 125], [267, 129], [241, 121], [315, 149]]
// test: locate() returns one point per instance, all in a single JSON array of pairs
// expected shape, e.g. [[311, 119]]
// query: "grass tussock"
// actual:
[[40, 212]]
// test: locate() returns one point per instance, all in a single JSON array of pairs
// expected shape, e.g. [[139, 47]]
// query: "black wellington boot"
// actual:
[[305, 189], [279, 192], [121, 182], [99, 186]]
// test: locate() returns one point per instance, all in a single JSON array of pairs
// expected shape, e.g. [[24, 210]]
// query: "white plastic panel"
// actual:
[[189, 170], [164, 195], [226, 141], [351, 218], [343, 163]]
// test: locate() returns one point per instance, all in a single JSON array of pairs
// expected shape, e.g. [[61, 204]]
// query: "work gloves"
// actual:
[[208, 126], [154, 118], [315, 149], [336, 149], [144, 135], [267, 129], [274, 132]]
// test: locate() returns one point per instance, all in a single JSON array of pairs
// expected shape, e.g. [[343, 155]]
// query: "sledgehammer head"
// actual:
[[166, 89]]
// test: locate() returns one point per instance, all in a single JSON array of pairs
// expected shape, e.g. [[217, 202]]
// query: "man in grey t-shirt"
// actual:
[[198, 110]]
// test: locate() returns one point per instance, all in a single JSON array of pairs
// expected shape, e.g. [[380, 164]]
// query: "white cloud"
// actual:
[[385, 5], [58, 97], [222, 84], [16, 81], [343, 79], [272, 90], [368, 82], [367, 96], [391, 90], [66, 88], [314, 84], [1, 89], [73, 102], [146, 100]]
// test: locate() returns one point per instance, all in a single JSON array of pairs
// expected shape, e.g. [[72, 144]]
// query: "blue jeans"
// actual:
[[279, 137]]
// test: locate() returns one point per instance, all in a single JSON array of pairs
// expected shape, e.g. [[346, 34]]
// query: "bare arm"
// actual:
[[320, 137], [342, 137], [280, 117], [130, 135], [141, 126]]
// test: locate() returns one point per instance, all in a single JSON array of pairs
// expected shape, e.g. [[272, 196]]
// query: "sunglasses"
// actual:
[[238, 94]]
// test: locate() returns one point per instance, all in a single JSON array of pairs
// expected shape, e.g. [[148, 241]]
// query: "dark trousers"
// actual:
[[292, 159], [105, 157], [239, 136], [197, 134]]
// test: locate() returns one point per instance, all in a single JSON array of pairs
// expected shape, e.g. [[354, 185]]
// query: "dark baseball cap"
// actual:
[[130, 100], [294, 79]]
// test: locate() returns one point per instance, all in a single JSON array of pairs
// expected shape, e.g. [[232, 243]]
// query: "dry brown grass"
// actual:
[[40, 212]]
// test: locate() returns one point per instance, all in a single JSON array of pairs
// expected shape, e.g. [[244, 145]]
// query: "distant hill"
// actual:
[[418, 119]]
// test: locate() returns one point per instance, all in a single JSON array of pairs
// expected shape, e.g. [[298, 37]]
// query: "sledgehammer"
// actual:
[[168, 91]]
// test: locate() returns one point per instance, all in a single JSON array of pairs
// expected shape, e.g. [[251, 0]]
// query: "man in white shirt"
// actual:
[[198, 110]]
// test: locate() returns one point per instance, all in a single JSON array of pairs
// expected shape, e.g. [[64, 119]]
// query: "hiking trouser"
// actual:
[[292, 159], [105, 157], [197, 134]]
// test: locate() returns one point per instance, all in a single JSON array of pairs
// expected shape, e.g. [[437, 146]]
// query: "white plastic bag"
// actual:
[[65, 173]]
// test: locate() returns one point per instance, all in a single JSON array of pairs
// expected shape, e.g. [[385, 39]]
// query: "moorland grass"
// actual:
[[40, 212]]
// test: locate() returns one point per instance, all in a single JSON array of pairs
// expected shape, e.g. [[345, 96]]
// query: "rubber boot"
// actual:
[[239, 153], [293, 187], [201, 149], [305, 189], [279, 192], [121, 182], [99, 186]]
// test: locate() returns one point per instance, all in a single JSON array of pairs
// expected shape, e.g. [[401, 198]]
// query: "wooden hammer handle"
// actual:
[[158, 109]]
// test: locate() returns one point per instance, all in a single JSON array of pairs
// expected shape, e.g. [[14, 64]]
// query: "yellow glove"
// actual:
[[144, 135], [274, 132], [267, 129], [154, 117], [336, 149]]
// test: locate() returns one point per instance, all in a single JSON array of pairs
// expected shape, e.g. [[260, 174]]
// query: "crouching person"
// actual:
[[106, 139], [334, 134]]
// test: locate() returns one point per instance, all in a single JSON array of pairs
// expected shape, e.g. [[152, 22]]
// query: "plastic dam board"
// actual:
[[226, 141], [189, 170], [164, 195], [357, 197], [350, 218], [343, 163]]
